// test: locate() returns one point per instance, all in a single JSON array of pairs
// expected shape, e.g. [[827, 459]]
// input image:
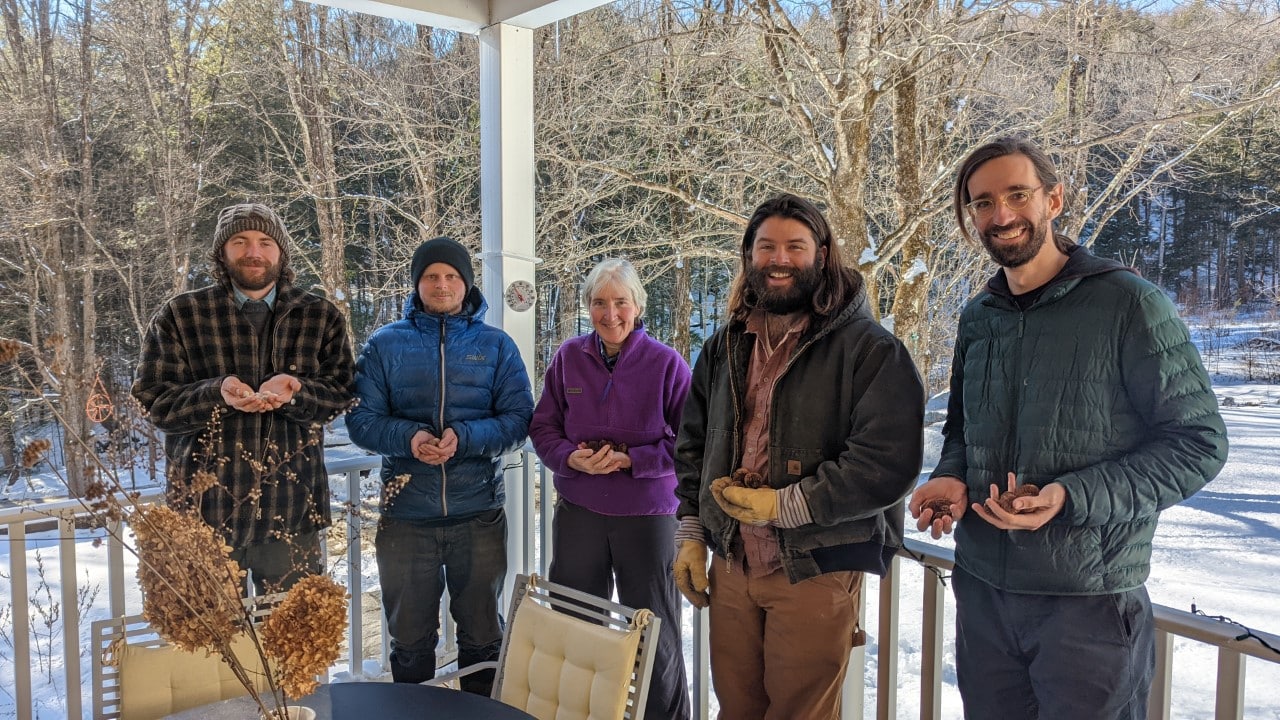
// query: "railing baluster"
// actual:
[[70, 611], [115, 567], [1230, 701], [887, 657], [931, 648], [701, 662], [21, 618], [1159, 699], [355, 584]]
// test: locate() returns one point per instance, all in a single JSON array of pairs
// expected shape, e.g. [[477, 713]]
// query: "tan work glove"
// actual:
[[753, 507], [690, 571]]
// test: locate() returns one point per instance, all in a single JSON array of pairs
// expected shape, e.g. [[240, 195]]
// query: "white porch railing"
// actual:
[[530, 523]]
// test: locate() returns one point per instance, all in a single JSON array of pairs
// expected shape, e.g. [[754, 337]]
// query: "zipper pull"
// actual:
[[728, 566]]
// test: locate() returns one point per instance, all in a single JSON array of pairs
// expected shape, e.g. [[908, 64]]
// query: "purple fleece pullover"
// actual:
[[639, 404]]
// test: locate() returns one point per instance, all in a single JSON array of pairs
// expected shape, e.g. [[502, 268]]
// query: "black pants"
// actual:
[[1052, 657], [278, 565], [416, 564], [595, 553]]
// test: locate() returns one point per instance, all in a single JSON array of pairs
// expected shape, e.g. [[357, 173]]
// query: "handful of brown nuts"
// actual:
[[1008, 496], [596, 445], [941, 507]]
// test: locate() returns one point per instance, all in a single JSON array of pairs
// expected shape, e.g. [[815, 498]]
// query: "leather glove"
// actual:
[[753, 507], [690, 571]]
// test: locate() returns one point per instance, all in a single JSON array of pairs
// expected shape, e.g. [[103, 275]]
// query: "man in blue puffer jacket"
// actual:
[[442, 397]]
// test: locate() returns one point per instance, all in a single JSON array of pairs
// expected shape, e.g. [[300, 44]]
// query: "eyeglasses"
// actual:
[[983, 208]]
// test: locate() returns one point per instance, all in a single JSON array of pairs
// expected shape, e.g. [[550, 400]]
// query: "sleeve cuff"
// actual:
[[793, 509], [690, 529]]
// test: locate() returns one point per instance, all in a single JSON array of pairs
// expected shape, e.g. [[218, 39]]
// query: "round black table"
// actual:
[[381, 700], [393, 701]]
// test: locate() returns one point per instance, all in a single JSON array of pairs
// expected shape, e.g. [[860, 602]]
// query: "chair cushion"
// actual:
[[559, 667], [161, 680]]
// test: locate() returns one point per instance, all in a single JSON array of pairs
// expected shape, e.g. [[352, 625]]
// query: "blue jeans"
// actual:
[[416, 564], [1052, 657]]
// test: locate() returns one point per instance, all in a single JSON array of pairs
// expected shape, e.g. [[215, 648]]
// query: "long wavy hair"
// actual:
[[838, 284]]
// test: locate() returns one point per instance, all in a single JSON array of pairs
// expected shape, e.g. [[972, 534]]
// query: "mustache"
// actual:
[[996, 229]]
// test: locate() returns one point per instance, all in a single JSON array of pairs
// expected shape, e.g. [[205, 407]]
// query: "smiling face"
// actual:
[[1014, 237], [253, 262], [613, 314], [786, 265], [441, 289]]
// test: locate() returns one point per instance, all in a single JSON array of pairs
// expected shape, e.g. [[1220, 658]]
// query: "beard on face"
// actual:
[[1013, 256], [784, 301], [240, 274]]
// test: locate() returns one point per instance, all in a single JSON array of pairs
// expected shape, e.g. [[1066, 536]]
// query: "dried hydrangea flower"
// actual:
[[190, 585], [34, 451], [304, 632]]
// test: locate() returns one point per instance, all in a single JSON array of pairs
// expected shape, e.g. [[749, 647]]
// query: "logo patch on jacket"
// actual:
[[474, 358], [793, 467], [572, 391]]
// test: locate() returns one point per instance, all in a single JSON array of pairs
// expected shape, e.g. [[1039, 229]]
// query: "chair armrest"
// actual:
[[441, 680]]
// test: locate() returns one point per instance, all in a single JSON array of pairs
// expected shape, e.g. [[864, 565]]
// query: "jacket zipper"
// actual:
[[737, 444], [1019, 388], [444, 475]]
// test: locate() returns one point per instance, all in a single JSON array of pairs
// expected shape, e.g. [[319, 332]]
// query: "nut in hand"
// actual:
[[941, 508], [743, 477], [1007, 497]]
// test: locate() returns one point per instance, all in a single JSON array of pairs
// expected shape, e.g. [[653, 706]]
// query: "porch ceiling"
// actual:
[[470, 16]]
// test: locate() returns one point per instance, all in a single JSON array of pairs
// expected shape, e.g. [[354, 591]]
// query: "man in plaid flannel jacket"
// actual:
[[240, 376]]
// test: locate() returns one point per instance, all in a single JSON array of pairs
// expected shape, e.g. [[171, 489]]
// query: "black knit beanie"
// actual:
[[445, 250]]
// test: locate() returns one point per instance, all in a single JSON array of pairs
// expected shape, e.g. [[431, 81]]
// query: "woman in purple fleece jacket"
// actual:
[[606, 426]]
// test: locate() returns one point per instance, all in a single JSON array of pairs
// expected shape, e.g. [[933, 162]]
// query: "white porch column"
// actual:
[[507, 175], [506, 222]]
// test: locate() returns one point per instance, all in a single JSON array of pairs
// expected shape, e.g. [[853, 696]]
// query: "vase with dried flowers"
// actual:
[[192, 589]]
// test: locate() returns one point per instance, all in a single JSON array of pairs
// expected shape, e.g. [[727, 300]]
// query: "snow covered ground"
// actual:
[[1220, 550]]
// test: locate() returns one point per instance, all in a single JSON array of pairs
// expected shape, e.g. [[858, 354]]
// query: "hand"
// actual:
[[594, 462], [690, 573], [944, 487], [420, 440], [753, 507], [622, 460], [436, 451], [279, 390], [242, 397], [1033, 511]]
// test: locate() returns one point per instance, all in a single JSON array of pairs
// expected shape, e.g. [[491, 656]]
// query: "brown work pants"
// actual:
[[780, 651]]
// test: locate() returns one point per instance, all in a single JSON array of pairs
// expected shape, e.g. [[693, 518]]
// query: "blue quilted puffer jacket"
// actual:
[[433, 372]]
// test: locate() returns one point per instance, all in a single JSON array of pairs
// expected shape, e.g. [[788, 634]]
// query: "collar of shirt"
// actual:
[[241, 298], [758, 322]]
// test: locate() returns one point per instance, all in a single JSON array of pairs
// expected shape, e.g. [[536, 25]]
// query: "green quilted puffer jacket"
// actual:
[[1095, 386]]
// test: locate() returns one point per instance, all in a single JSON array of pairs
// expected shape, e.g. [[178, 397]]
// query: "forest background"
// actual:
[[126, 124]]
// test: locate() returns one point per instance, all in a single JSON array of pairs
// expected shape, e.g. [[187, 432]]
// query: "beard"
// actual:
[[1013, 256], [243, 274], [784, 301]]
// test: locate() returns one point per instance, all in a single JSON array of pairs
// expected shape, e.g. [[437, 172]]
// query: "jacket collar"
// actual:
[[474, 308], [1080, 264]]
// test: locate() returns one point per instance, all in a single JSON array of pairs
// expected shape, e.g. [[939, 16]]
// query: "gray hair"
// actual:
[[615, 270]]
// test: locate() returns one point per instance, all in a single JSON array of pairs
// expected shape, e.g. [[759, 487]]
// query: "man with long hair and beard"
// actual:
[[800, 437], [239, 375], [1073, 375]]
